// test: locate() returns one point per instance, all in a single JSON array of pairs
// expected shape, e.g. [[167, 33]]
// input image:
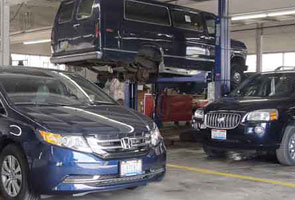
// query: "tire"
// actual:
[[13, 156], [286, 153], [213, 153], [237, 75]]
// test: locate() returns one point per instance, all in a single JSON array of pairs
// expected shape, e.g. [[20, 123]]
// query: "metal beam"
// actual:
[[4, 32], [259, 47], [223, 50]]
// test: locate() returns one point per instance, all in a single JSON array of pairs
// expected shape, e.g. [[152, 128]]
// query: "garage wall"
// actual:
[[280, 39]]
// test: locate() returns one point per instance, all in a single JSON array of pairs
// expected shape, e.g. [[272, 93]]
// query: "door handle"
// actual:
[[76, 25]]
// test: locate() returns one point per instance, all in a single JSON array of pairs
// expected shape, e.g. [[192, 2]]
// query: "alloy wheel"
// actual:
[[11, 175]]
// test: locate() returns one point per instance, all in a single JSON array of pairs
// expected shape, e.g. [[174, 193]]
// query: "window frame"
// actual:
[[78, 9], [188, 11], [73, 12], [146, 22]]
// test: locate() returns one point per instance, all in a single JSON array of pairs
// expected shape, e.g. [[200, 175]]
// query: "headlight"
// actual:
[[199, 114], [72, 142], [156, 137], [262, 115]]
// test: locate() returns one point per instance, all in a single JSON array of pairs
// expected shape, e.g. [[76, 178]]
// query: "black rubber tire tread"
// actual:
[[282, 153]]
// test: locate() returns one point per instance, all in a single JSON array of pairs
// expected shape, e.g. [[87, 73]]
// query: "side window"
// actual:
[[85, 9], [66, 12], [210, 23], [187, 20], [147, 13]]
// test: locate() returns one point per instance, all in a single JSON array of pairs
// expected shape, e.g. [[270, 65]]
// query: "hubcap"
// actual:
[[292, 147], [11, 175]]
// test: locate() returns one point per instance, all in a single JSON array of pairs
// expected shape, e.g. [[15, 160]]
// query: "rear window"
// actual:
[[187, 20], [146, 12], [66, 12], [85, 9]]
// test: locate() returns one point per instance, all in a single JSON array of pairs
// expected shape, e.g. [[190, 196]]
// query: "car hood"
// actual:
[[250, 104], [104, 119]]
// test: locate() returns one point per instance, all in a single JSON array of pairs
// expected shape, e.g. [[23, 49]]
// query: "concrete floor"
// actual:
[[194, 183]]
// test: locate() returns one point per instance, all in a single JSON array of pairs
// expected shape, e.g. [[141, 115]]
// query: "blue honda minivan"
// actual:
[[62, 134]]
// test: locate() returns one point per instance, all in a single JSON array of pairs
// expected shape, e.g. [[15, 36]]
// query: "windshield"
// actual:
[[266, 85], [51, 88]]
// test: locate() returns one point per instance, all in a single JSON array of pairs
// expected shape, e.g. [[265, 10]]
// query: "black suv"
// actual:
[[258, 115], [139, 34]]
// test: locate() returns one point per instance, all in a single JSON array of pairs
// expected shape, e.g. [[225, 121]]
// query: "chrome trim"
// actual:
[[191, 58], [95, 55], [222, 120], [179, 71], [98, 180], [165, 55], [127, 143], [120, 50]]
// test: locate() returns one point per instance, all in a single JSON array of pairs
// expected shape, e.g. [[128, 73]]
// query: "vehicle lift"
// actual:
[[220, 74]]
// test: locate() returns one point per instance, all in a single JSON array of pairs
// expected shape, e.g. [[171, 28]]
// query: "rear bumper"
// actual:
[[95, 55], [62, 171]]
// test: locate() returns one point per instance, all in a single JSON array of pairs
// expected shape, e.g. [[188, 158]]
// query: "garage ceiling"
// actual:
[[32, 19]]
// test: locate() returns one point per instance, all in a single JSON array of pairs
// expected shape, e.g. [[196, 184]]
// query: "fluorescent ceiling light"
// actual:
[[245, 17], [281, 13], [37, 41], [263, 15]]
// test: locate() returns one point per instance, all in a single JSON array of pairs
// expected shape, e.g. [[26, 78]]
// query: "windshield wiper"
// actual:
[[103, 103]]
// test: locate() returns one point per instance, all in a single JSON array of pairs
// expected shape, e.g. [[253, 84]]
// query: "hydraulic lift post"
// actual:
[[223, 50]]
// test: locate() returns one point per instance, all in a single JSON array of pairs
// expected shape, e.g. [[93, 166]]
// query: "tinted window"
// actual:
[[147, 13], [210, 23], [85, 9], [187, 20], [66, 12], [267, 85]]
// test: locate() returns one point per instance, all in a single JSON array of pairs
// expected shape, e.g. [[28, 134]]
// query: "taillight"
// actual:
[[97, 30]]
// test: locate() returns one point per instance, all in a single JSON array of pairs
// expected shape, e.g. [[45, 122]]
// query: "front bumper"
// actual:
[[57, 170], [244, 137]]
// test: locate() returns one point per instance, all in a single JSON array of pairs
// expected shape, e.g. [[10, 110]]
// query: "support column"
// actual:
[[4, 32], [259, 47], [223, 50]]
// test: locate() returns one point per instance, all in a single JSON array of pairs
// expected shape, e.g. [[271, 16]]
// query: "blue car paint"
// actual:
[[49, 165], [120, 39]]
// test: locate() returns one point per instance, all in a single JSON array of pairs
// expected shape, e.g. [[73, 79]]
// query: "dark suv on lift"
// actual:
[[258, 115], [139, 34], [61, 134]]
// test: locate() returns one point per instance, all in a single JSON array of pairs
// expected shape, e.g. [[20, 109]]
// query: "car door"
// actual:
[[86, 27], [64, 27], [146, 24], [192, 48]]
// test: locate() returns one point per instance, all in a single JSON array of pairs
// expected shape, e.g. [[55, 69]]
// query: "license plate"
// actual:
[[131, 168], [218, 134]]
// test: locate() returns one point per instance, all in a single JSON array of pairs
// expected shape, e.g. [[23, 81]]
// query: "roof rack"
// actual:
[[285, 68]]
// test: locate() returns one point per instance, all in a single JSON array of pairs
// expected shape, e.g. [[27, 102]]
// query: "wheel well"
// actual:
[[240, 61], [151, 52], [5, 142]]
